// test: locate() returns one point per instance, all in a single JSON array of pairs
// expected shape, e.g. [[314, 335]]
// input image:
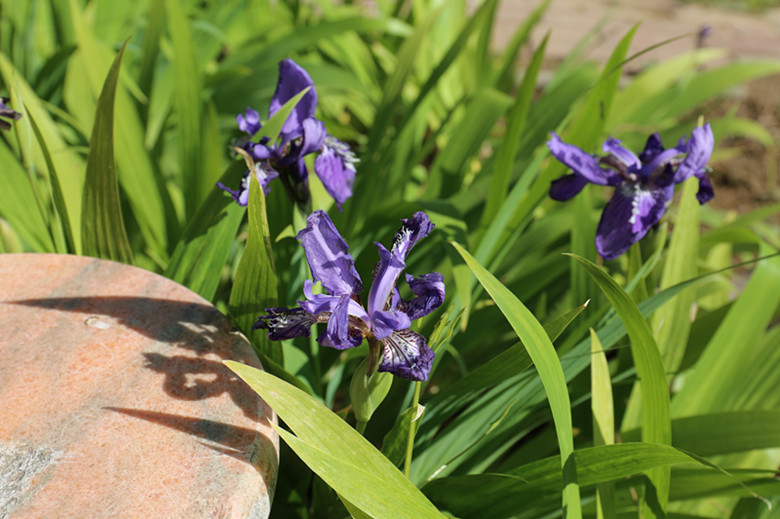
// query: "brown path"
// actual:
[[743, 34]]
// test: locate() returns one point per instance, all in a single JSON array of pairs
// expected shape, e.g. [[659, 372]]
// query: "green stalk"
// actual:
[[410, 439]]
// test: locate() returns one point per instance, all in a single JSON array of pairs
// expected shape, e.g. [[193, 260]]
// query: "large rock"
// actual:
[[115, 401]]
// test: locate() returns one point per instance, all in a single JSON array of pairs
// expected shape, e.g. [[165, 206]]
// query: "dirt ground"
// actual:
[[748, 178]]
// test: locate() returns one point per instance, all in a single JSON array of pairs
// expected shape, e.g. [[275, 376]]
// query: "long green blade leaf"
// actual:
[[545, 359], [656, 421], [103, 229], [337, 452], [254, 288]]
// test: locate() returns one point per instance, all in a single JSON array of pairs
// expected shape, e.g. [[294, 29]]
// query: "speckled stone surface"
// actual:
[[115, 401]]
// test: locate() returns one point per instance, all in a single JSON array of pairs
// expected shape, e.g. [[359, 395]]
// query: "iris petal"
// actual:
[[429, 289], [581, 163], [699, 152], [338, 331], [328, 256], [392, 263], [385, 322], [705, 193], [337, 176], [406, 355], [653, 147], [292, 80], [627, 157], [628, 216], [566, 187], [250, 122], [285, 323]]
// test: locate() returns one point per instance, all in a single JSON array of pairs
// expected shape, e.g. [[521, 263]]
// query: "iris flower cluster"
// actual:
[[643, 185], [385, 322], [8, 114], [301, 135]]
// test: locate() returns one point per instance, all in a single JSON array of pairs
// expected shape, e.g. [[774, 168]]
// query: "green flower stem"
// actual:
[[410, 440]]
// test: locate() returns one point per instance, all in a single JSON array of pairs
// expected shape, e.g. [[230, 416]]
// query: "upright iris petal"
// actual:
[[392, 263], [293, 79], [328, 256], [388, 319], [643, 184]]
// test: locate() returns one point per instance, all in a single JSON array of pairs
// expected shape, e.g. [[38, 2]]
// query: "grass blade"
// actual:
[[545, 359], [205, 243], [56, 190], [603, 411], [338, 453], [254, 287], [673, 321], [656, 421], [103, 229]]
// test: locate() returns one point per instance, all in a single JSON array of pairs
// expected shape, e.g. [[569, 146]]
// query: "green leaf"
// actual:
[[396, 440], [465, 141], [673, 321], [254, 287], [719, 375], [656, 421], [723, 433], [149, 200], [710, 83], [545, 359], [56, 191], [338, 453], [602, 407], [273, 126], [204, 246], [499, 494], [102, 227], [188, 108], [69, 165], [509, 145]]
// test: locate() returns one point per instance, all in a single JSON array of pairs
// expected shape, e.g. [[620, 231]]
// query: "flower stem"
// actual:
[[410, 439], [361, 427]]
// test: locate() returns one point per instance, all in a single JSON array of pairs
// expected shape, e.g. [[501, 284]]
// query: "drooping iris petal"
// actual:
[[699, 150], [392, 263], [705, 193], [328, 256], [627, 217], [385, 322], [6, 112], [429, 289], [566, 187], [264, 174], [292, 80], [285, 323], [249, 122], [653, 147], [581, 163], [240, 195], [337, 176], [406, 355], [613, 147]]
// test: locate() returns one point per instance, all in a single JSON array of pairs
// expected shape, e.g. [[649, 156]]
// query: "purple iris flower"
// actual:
[[643, 184], [301, 135], [387, 317], [8, 114]]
